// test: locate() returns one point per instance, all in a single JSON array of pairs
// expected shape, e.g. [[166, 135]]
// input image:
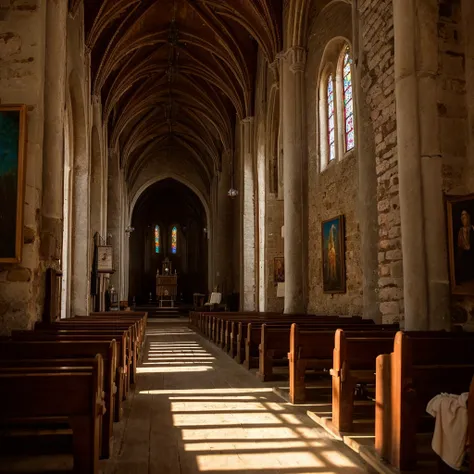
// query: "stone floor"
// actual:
[[195, 410]]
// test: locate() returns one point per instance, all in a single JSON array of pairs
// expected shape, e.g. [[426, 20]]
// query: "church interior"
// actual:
[[236, 236]]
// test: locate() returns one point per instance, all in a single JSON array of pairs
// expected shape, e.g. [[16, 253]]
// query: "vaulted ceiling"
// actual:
[[178, 73]]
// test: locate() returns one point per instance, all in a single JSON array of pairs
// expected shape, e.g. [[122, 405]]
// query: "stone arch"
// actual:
[[199, 194], [80, 276]]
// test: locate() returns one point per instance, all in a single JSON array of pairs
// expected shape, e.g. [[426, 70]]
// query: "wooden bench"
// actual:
[[53, 394], [354, 359], [240, 345], [128, 351], [313, 349], [14, 351], [226, 327], [275, 339], [77, 335], [419, 368]]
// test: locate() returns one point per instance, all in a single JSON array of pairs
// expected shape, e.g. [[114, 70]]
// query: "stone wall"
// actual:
[[334, 191], [453, 115], [22, 81], [378, 85]]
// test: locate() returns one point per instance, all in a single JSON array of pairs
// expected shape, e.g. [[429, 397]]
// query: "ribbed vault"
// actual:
[[178, 73]]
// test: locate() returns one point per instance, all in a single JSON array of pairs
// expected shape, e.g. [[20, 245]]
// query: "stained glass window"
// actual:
[[157, 239], [348, 102], [331, 120], [174, 239]]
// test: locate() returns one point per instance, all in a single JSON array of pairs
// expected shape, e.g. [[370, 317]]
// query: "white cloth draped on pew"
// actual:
[[450, 434]]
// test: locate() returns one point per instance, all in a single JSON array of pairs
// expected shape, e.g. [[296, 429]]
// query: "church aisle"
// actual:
[[195, 410]]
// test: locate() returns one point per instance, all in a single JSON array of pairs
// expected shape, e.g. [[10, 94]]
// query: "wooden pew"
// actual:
[[128, 351], [275, 340], [287, 320], [419, 368], [252, 341], [313, 349], [140, 316], [137, 328], [354, 362], [52, 350], [225, 328], [75, 335], [50, 394]]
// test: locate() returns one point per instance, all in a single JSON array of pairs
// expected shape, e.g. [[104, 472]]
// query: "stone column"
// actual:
[[293, 127], [114, 218], [425, 274], [367, 208], [248, 294], [53, 146]]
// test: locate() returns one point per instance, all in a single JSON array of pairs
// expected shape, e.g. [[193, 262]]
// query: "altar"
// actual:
[[166, 285]]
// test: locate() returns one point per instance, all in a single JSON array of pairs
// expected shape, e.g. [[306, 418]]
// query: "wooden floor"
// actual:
[[195, 410]]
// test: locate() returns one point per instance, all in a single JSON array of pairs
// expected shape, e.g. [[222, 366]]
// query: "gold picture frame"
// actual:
[[12, 181], [460, 226]]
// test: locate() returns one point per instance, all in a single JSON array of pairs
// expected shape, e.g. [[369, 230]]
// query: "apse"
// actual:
[[170, 223]]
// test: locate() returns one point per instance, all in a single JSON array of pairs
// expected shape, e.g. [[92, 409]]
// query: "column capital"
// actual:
[[247, 120], [296, 57], [275, 69]]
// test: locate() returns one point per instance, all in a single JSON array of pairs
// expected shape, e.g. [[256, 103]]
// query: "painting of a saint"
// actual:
[[461, 243], [12, 143], [333, 256], [279, 270]]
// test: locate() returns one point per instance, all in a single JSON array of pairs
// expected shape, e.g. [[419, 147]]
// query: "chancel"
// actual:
[[237, 236]]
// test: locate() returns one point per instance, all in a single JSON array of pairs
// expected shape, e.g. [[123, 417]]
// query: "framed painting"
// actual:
[[460, 215], [279, 270], [333, 255], [12, 181]]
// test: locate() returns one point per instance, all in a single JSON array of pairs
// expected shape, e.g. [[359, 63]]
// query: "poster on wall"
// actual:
[[460, 210], [333, 255], [12, 181]]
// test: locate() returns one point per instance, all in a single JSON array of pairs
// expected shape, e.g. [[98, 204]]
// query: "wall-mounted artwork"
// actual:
[[12, 181], [333, 255], [279, 270], [461, 243]]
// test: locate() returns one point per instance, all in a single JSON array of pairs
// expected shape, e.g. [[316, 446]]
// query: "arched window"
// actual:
[[348, 101], [174, 240], [336, 105], [157, 239], [331, 119]]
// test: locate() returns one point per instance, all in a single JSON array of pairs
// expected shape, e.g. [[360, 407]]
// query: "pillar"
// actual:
[[54, 116], [248, 296], [292, 108], [114, 217], [367, 206], [425, 273]]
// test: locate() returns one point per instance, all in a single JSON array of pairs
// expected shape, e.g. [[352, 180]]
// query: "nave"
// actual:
[[195, 410]]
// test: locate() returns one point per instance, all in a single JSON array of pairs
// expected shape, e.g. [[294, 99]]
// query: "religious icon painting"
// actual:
[[333, 255], [279, 270], [460, 220], [12, 181]]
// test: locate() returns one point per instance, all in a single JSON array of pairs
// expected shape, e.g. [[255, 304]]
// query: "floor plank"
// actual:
[[194, 410]]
